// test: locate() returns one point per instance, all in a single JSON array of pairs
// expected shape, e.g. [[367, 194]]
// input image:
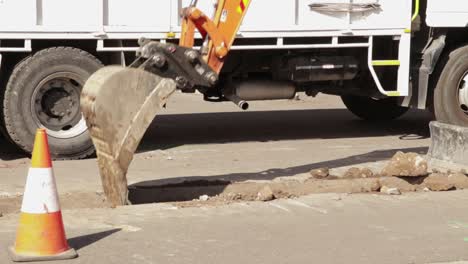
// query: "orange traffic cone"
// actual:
[[41, 235]]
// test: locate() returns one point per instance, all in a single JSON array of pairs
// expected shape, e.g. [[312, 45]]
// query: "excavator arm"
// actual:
[[119, 103]]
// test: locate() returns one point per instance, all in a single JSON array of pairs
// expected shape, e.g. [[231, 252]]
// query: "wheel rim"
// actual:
[[55, 105], [463, 93]]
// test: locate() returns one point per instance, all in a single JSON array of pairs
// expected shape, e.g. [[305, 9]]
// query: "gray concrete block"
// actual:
[[449, 147]]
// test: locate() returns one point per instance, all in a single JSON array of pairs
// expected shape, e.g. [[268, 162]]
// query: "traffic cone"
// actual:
[[41, 235]]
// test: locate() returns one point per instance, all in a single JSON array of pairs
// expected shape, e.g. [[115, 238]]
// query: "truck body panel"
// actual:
[[447, 13], [110, 17]]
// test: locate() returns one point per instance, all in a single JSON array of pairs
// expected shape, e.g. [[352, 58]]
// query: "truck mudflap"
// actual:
[[119, 104]]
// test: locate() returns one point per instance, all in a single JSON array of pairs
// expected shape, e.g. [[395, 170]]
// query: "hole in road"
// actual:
[[176, 192]]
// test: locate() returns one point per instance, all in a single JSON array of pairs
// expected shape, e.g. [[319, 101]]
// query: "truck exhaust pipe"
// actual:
[[242, 104]]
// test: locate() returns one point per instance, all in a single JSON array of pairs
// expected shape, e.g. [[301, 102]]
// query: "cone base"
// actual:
[[69, 254]]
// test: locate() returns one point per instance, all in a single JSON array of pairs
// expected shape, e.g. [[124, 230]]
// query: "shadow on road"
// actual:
[[168, 131], [173, 130], [8, 151], [86, 240], [192, 187]]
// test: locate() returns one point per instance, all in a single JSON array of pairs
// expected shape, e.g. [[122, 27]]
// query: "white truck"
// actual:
[[380, 56]]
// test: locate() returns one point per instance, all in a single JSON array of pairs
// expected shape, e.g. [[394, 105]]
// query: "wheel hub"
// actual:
[[56, 105], [463, 94]]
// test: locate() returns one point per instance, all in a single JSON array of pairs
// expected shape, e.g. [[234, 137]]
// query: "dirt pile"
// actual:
[[405, 172], [408, 173]]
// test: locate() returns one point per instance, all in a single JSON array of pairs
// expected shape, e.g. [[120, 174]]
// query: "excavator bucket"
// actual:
[[119, 104]]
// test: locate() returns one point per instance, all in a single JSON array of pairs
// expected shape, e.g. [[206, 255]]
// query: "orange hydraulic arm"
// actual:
[[221, 31]]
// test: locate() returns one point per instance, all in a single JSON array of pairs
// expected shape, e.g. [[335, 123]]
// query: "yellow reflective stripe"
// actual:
[[393, 93], [416, 10], [386, 63]]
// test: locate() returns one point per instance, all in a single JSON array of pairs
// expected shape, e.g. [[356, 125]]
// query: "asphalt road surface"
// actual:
[[193, 138], [198, 140]]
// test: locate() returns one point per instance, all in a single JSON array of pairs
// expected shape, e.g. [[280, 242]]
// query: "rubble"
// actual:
[[356, 173], [438, 182], [204, 198], [320, 173], [395, 182], [459, 180], [390, 191], [361, 185], [265, 194], [406, 165], [233, 196]]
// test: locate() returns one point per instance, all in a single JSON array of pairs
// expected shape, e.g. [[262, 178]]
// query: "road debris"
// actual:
[[233, 196], [320, 173], [390, 191], [217, 193], [406, 165], [196, 193], [356, 173], [395, 182], [204, 198], [459, 180], [438, 182], [265, 194]]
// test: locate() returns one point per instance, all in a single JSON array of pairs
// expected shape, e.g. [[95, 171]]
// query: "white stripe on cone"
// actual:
[[40, 194]]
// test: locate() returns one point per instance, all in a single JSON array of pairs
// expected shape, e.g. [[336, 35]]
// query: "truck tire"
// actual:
[[44, 91], [372, 109], [451, 92]]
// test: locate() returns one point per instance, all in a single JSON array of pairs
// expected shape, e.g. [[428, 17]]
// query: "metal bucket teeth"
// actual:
[[119, 104]]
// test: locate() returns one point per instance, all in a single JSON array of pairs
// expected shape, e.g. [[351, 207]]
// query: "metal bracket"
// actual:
[[26, 47], [184, 65]]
